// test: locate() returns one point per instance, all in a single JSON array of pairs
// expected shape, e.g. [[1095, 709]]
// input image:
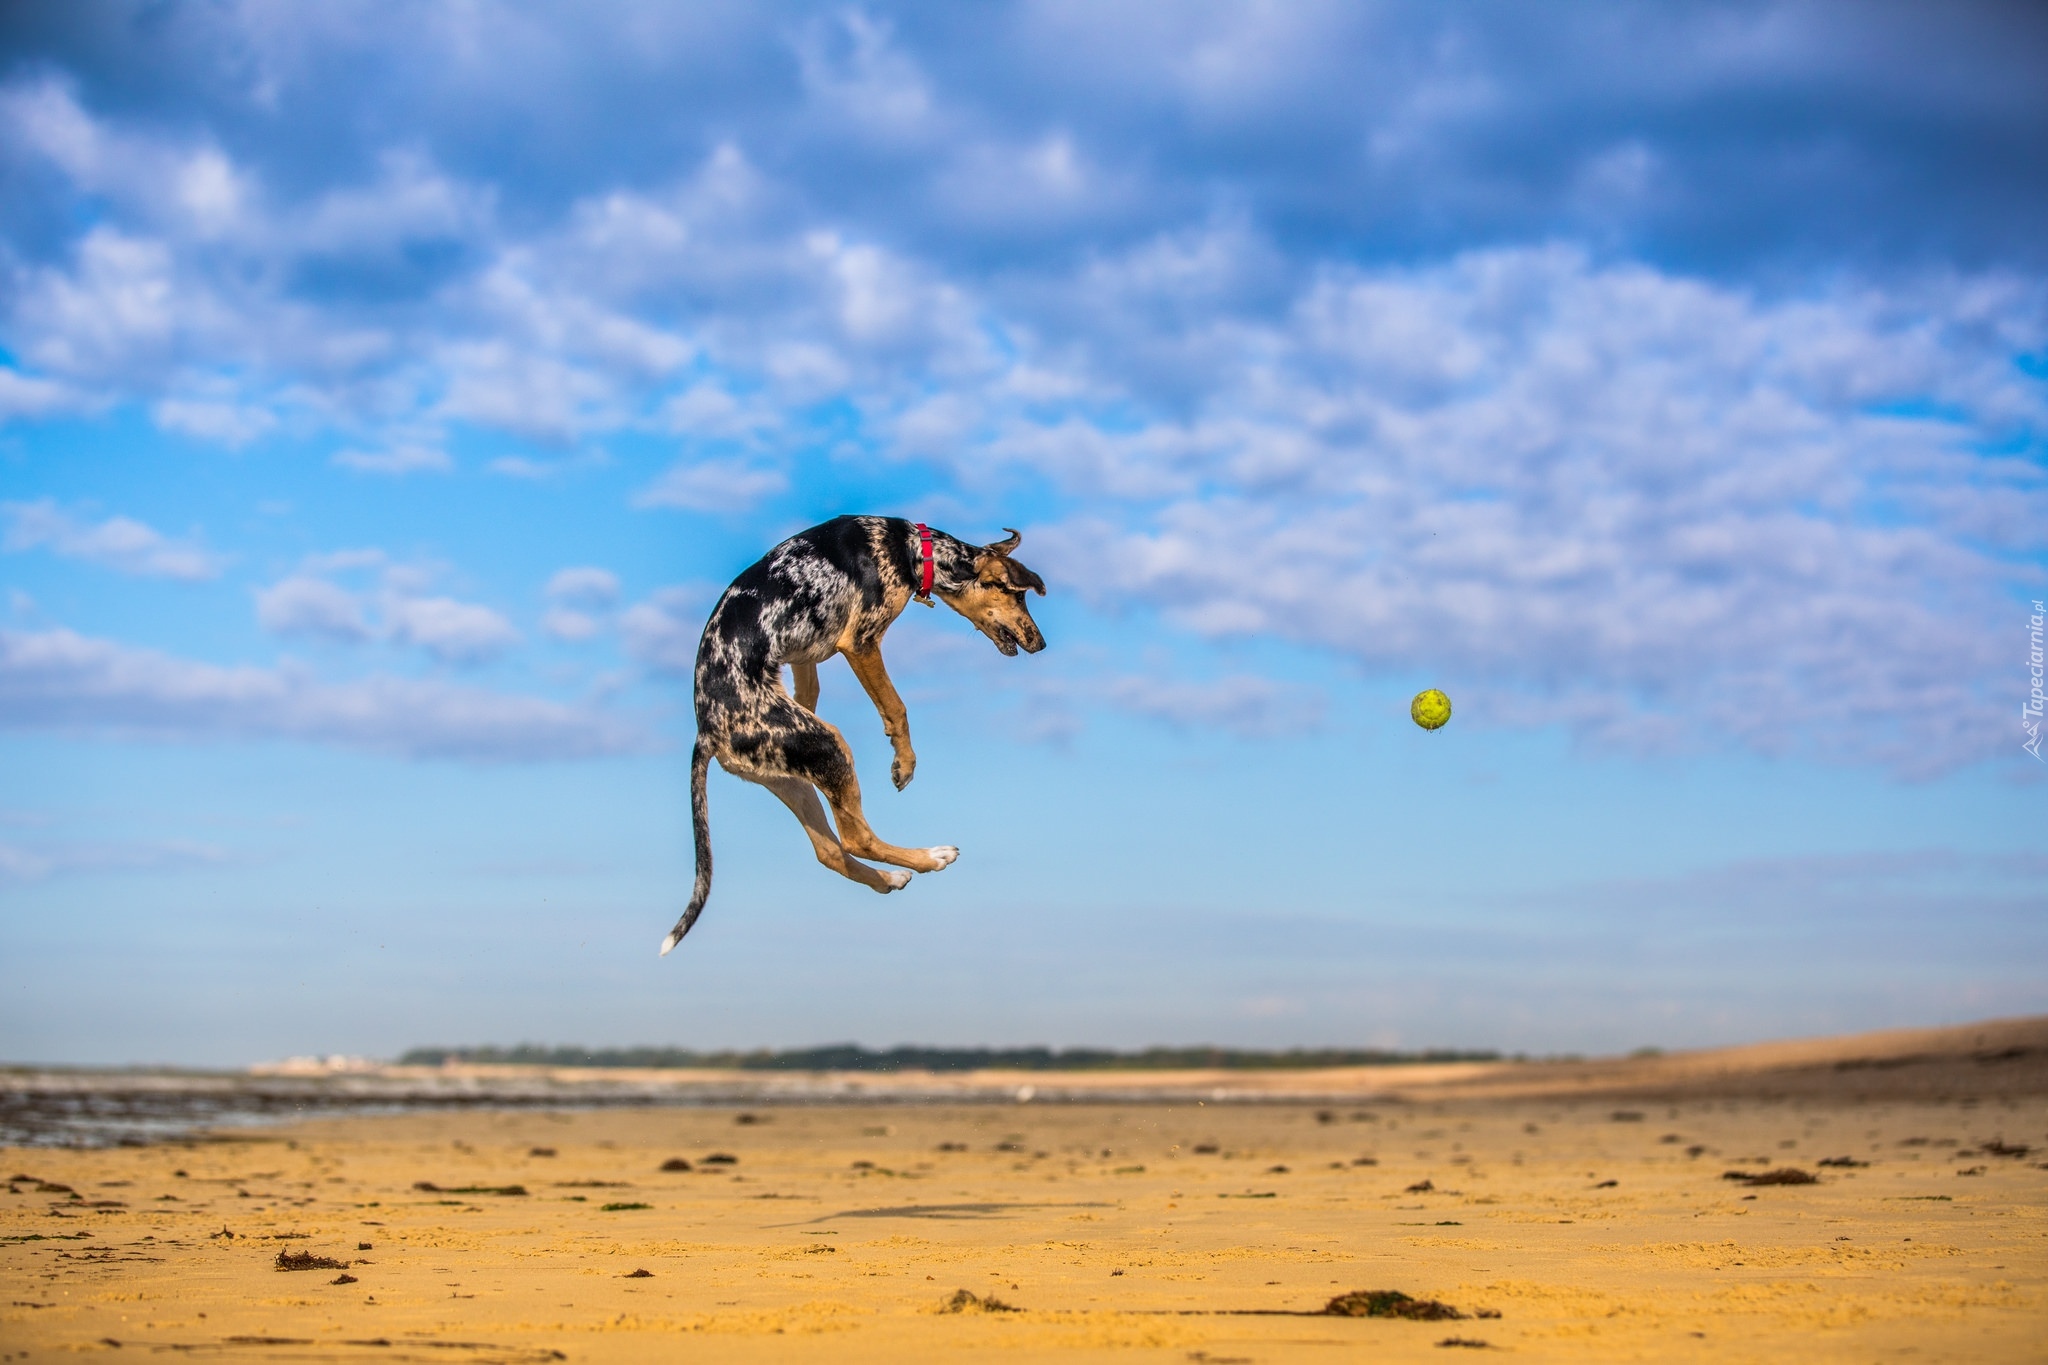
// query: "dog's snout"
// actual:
[[1021, 632]]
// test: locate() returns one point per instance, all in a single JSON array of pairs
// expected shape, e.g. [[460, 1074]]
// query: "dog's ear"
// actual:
[[1007, 574], [1022, 578], [995, 567]]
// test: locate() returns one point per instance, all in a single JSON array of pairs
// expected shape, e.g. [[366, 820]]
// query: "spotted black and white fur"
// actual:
[[834, 589]]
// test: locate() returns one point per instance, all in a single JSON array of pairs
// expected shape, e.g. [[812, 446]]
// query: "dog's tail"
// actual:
[[700, 823]]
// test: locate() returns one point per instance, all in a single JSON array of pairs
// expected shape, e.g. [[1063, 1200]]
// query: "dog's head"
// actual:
[[989, 590]]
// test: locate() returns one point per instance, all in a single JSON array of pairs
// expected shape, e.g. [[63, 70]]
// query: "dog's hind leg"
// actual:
[[816, 752], [860, 839], [806, 676], [802, 799]]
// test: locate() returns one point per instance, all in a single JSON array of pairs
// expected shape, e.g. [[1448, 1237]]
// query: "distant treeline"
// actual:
[[849, 1057]]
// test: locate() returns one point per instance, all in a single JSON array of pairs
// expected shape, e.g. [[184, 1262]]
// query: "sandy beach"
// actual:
[[1581, 1211]]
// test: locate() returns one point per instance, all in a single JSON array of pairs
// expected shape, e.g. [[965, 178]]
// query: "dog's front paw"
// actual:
[[902, 770], [944, 855], [896, 879]]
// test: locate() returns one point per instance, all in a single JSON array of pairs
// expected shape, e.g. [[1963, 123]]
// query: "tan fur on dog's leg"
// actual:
[[806, 676], [867, 666], [860, 839], [802, 799]]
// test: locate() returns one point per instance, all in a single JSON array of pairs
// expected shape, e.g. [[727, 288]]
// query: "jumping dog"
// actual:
[[834, 589]]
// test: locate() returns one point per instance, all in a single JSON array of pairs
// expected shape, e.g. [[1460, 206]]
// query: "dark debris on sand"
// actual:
[[967, 1301], [306, 1260], [1389, 1303], [1784, 1175]]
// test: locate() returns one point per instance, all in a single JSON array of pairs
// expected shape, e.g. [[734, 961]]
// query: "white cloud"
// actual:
[[712, 486], [396, 609], [117, 309], [120, 543], [305, 605], [581, 595], [851, 68], [21, 863], [1654, 508], [565, 623], [549, 336], [885, 304], [515, 389], [343, 561], [1045, 182], [409, 202], [1640, 506], [45, 116], [194, 188], [456, 632], [24, 395], [402, 458], [876, 294], [708, 409], [584, 585], [661, 633], [227, 423], [1246, 705], [540, 471], [60, 680]]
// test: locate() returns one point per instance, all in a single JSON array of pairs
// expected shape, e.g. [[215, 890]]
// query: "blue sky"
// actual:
[[386, 392]]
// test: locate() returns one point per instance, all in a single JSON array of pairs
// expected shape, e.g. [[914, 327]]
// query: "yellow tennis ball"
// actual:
[[1430, 709]]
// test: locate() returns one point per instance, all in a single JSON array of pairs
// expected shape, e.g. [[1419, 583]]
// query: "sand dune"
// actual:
[[1579, 1211]]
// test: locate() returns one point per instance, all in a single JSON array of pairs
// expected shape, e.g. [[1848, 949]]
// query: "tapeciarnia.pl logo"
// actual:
[[2030, 714]]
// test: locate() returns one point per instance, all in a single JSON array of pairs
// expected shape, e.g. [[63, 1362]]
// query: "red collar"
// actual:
[[924, 563]]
